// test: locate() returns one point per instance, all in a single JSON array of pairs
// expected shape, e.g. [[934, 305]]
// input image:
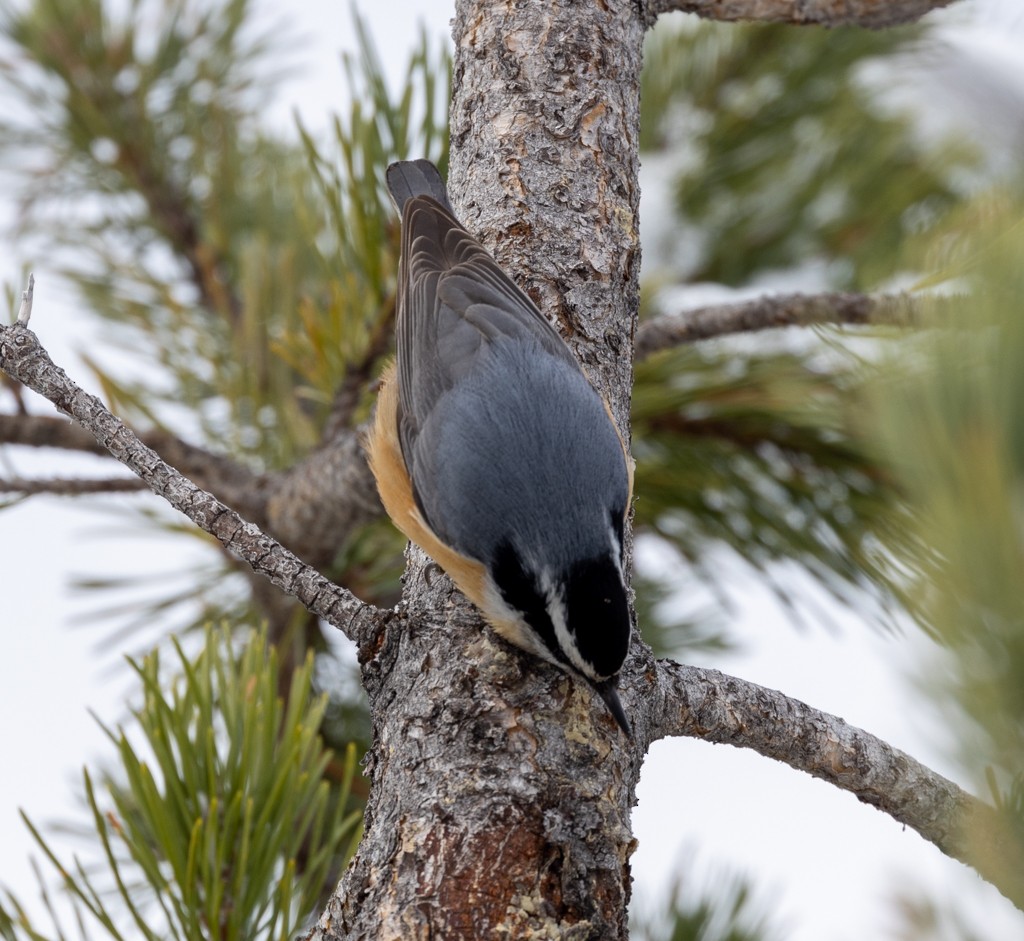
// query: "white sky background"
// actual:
[[823, 862]]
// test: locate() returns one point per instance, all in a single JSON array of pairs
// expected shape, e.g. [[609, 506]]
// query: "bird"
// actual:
[[495, 455]]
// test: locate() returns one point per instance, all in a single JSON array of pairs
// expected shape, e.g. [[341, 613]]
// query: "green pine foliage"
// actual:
[[760, 452], [249, 270], [225, 818], [781, 157], [724, 908], [251, 277], [951, 415], [150, 164]]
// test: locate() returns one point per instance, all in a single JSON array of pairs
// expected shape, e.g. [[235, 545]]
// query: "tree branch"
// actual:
[[870, 13], [234, 483], [23, 358], [779, 310], [324, 497], [70, 486], [175, 218], [309, 507], [42, 431], [713, 707]]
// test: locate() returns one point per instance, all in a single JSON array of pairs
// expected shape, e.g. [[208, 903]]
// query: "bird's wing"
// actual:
[[409, 178], [454, 302]]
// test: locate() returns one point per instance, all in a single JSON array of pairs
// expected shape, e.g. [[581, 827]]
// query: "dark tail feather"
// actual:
[[409, 178], [607, 690]]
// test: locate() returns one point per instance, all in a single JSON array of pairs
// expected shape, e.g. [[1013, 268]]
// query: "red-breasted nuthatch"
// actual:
[[494, 454]]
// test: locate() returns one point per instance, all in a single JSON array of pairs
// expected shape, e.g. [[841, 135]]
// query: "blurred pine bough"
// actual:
[[225, 816], [247, 274]]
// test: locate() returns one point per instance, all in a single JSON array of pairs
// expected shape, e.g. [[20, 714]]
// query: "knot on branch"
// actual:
[[17, 342]]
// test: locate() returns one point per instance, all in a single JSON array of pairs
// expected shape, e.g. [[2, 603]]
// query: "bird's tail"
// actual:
[[409, 178]]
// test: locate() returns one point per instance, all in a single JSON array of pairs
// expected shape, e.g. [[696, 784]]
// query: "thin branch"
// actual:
[[713, 707], [309, 507], [869, 13], [23, 357], [42, 431], [778, 310], [70, 486], [234, 483]]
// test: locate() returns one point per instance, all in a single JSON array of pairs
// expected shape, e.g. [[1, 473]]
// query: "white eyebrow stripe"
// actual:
[[556, 611], [617, 550]]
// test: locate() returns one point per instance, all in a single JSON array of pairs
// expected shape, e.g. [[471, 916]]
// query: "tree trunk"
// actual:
[[501, 788], [501, 795]]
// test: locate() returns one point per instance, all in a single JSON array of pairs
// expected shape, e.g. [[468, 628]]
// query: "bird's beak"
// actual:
[[608, 691]]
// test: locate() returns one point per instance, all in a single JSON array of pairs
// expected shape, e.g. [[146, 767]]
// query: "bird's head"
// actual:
[[574, 615]]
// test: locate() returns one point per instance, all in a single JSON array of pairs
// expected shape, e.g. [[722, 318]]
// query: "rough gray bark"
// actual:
[[875, 14], [501, 790]]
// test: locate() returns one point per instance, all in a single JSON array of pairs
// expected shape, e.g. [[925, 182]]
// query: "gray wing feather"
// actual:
[[409, 178], [454, 300], [503, 436]]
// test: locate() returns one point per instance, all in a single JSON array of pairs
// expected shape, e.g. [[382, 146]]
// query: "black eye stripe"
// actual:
[[595, 605], [520, 592]]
